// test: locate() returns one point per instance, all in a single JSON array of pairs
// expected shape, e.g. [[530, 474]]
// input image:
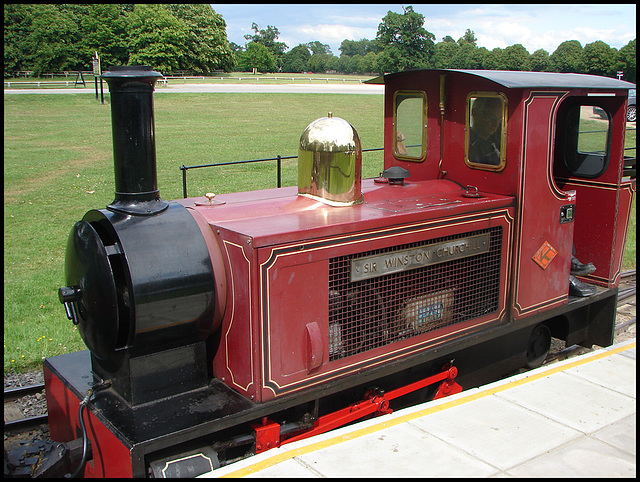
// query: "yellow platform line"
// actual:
[[291, 453]]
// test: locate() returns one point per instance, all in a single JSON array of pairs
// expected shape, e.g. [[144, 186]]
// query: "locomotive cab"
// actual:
[[542, 145]]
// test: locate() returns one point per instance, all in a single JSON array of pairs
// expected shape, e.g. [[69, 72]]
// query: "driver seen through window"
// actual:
[[485, 133]]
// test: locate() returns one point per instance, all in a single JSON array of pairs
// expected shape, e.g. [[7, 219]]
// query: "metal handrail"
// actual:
[[278, 160]]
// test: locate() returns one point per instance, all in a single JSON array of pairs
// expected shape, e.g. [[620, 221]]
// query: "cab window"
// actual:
[[410, 125], [586, 152], [486, 131]]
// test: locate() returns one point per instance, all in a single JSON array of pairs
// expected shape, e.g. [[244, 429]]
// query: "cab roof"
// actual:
[[522, 80]]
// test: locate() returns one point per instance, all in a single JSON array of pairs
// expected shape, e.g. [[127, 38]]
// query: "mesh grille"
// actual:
[[376, 312]]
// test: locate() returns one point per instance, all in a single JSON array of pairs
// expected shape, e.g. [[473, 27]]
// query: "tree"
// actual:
[[156, 38], [515, 57], [464, 57], [482, 56], [104, 30], [358, 47], [257, 56], [57, 37], [627, 61], [235, 48], [267, 37], [539, 61], [296, 59], [319, 48], [469, 37], [404, 43], [568, 57], [321, 63], [17, 29], [444, 53], [493, 59], [207, 47], [348, 64], [41, 38], [368, 64], [600, 59], [47, 38]]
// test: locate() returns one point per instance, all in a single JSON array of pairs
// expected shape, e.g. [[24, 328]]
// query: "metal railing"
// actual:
[[629, 168], [256, 79], [165, 80], [41, 83], [278, 160]]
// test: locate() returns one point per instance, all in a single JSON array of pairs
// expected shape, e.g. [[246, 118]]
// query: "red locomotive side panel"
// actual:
[[110, 457], [627, 192], [294, 314], [363, 324], [238, 340], [600, 236], [234, 361]]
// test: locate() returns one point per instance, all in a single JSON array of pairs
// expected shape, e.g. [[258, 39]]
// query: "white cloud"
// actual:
[[337, 32], [330, 34], [363, 22]]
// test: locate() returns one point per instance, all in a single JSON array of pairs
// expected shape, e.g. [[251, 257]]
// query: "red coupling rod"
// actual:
[[374, 402]]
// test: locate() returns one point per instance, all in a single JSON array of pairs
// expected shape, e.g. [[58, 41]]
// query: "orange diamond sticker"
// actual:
[[545, 255]]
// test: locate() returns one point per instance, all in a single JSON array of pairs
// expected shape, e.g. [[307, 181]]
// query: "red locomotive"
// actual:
[[220, 326]]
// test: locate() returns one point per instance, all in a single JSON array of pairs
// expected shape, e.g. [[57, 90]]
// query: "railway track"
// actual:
[[29, 398]]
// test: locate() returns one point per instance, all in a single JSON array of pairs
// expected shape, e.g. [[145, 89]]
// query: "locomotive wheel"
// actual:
[[538, 346]]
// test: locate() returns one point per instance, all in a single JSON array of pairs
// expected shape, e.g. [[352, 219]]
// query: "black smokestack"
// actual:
[[134, 145]]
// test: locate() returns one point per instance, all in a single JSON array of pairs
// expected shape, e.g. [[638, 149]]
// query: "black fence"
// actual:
[[278, 160]]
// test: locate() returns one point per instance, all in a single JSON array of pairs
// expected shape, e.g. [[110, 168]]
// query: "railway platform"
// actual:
[[573, 418]]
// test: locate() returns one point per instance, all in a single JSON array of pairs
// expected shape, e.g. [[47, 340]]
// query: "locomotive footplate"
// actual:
[[169, 425]]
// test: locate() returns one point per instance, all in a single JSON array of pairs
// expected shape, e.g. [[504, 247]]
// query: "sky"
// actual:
[[535, 26]]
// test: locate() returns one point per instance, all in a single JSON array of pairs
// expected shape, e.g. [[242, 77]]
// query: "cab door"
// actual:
[[545, 215], [589, 159]]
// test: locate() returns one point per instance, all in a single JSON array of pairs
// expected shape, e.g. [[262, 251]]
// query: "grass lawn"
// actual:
[[58, 164]]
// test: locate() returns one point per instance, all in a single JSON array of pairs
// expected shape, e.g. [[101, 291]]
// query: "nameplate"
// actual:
[[414, 258]]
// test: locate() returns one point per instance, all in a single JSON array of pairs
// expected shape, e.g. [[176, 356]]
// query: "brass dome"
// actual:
[[330, 162]]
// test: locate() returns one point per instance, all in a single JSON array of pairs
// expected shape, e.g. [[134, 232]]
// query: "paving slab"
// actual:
[[572, 401], [622, 434], [400, 451], [497, 431], [583, 457]]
